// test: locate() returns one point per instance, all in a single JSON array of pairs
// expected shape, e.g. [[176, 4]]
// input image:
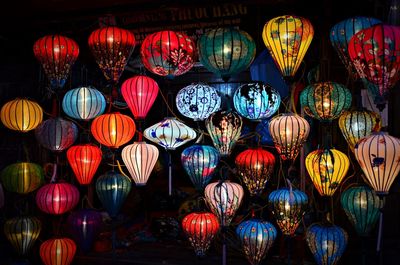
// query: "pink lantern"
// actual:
[[57, 198]]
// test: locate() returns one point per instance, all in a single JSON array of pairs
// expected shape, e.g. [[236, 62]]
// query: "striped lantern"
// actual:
[[22, 177], [57, 251], [21, 115], [84, 160], [57, 198]]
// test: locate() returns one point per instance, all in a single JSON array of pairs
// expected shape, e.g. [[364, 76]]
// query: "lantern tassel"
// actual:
[[169, 174]]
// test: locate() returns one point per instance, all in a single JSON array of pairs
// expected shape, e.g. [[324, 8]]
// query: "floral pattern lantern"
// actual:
[[23, 177], [57, 198], [57, 251], [84, 160], [21, 115]]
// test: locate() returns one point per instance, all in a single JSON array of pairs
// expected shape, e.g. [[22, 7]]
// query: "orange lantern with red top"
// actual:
[[57, 251], [84, 161]]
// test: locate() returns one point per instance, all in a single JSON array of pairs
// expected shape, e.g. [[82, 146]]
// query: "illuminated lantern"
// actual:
[[140, 159], [289, 132], [22, 177], [83, 103], [113, 189], [113, 129], [22, 233], [200, 162], [84, 160], [139, 92], [56, 134], [21, 115], [168, 53], [287, 39], [262, 132], [200, 229], [224, 198], [224, 128], [255, 166], [111, 47], [256, 101], [256, 237], [326, 242], [56, 54], [57, 198], [327, 168], [57, 251], [379, 158], [226, 51]]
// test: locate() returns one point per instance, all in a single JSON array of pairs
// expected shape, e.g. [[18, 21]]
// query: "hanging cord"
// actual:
[[54, 175]]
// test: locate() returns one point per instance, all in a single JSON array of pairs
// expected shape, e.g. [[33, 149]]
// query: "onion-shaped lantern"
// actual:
[[327, 168], [57, 251], [21, 115], [226, 51], [200, 229], [256, 237], [84, 160], [287, 39], [168, 53], [22, 177], [57, 198], [255, 166]]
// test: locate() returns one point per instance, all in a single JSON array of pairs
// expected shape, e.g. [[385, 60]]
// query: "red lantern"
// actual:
[[57, 198], [57, 251], [84, 160]]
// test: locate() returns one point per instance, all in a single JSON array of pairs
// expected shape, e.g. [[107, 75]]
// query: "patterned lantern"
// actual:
[[327, 168], [326, 242], [224, 198], [255, 166], [57, 251], [111, 47], [22, 233], [56, 54], [200, 229], [287, 39], [256, 237], [84, 160], [224, 128], [113, 129], [140, 159], [21, 115], [289, 132], [139, 92], [113, 189], [22, 177], [168, 53], [379, 158], [57, 198]]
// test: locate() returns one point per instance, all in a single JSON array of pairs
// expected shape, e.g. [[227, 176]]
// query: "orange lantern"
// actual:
[[21, 115], [57, 251], [84, 160]]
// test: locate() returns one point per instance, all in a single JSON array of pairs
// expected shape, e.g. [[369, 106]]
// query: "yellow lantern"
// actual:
[[21, 115]]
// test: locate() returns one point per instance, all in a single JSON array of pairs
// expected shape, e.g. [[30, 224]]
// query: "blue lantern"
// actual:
[[262, 129]]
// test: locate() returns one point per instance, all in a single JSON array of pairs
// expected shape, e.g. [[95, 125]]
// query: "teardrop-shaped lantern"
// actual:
[[57, 198], [84, 160], [21, 115], [22, 177], [57, 251]]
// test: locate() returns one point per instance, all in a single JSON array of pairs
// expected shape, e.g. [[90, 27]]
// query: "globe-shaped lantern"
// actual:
[[21, 115], [379, 158], [262, 131], [255, 167], [22, 177], [168, 53], [22, 233], [326, 242], [256, 237], [327, 168], [84, 160], [83, 103], [57, 251], [287, 39], [226, 51], [57, 198]]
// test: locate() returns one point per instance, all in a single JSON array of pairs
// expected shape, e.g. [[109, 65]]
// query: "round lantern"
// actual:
[[256, 237], [288, 207], [57, 198], [327, 168], [111, 47], [22, 177], [326, 242], [224, 198], [56, 54], [84, 160], [224, 128], [168, 53], [57, 251], [263, 134], [379, 158], [113, 189], [139, 92], [140, 159], [83, 103], [200, 229], [56, 134], [287, 39], [200, 162], [22, 233], [113, 129], [21, 115], [289, 132], [226, 51], [255, 166]]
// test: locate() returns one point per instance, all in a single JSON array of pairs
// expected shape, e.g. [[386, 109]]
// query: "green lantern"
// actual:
[[22, 177]]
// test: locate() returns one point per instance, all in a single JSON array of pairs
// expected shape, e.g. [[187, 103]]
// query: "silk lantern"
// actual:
[[21, 115], [57, 251], [23, 177], [57, 198], [84, 160]]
